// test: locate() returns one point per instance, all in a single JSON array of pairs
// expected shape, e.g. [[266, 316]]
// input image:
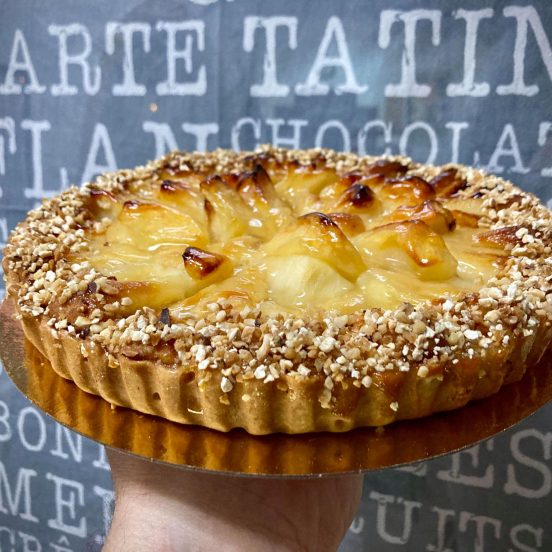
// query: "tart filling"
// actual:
[[293, 238], [287, 290]]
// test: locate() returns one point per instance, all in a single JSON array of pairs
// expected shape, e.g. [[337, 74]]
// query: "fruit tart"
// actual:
[[286, 291]]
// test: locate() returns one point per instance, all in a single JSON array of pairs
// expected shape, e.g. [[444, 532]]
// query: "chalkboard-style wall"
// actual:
[[90, 86]]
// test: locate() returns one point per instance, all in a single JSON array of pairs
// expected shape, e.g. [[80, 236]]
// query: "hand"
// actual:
[[164, 508]]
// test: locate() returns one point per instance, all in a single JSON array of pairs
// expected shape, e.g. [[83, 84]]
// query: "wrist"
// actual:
[[163, 508], [159, 526]]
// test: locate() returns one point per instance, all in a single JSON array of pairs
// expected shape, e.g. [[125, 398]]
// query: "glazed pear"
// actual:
[[301, 185], [149, 226], [228, 215], [318, 236], [302, 280], [410, 245]]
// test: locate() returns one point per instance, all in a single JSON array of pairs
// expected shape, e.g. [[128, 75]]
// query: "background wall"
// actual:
[[87, 87]]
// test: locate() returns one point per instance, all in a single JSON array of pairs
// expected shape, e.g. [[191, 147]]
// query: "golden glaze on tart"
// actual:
[[285, 290]]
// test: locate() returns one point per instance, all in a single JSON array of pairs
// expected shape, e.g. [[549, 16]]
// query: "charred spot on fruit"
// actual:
[[258, 175], [167, 186], [318, 218], [132, 204], [255, 181], [200, 264], [387, 168], [265, 159], [448, 183], [170, 186], [358, 195], [231, 180]]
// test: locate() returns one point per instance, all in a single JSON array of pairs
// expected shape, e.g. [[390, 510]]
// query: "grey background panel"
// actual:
[[78, 96]]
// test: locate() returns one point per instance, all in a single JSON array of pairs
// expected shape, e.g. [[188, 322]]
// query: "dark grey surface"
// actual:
[[497, 497]]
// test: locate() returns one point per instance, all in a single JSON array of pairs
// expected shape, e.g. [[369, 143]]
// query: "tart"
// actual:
[[286, 291]]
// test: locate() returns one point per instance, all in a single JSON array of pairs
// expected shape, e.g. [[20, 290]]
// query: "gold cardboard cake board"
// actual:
[[239, 453]]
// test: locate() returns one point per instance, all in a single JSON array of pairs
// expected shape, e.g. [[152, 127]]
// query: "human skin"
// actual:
[[164, 509]]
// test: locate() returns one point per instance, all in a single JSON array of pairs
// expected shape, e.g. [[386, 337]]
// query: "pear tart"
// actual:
[[287, 291]]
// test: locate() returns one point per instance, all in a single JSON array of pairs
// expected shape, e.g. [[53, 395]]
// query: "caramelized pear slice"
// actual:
[[317, 235], [387, 168], [274, 167], [258, 192], [336, 189], [301, 182], [158, 280], [186, 178], [227, 213], [408, 190], [471, 206], [184, 196], [256, 188], [150, 226], [342, 194], [469, 220], [448, 183], [412, 241], [153, 279], [437, 217], [499, 237]]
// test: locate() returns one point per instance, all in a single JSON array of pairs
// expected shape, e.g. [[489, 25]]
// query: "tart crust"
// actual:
[[284, 372]]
